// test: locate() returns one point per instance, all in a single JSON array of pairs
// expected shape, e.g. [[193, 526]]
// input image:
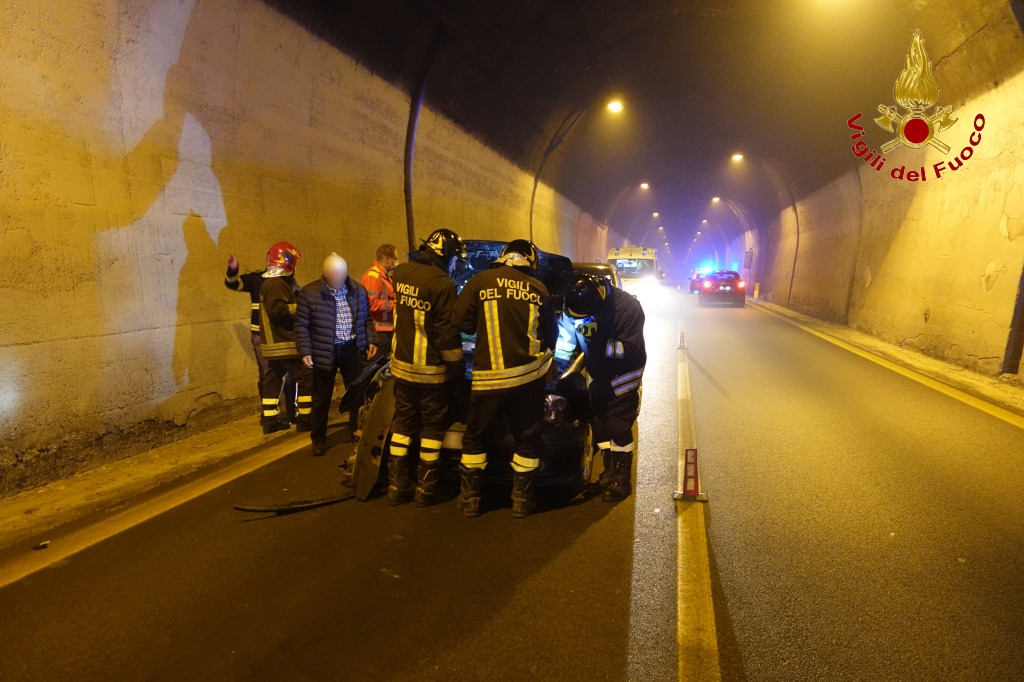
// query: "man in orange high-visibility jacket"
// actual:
[[377, 282]]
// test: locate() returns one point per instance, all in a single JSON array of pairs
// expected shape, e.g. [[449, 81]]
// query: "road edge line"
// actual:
[[981, 404], [103, 529], [696, 633]]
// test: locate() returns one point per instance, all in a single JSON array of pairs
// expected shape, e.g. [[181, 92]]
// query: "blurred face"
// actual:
[[389, 263], [335, 276]]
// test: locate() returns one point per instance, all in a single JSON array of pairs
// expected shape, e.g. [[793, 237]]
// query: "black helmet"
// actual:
[[586, 294], [519, 253], [445, 244]]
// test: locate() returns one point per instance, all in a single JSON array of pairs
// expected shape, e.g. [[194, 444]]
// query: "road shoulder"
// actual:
[[29, 515], [1007, 395]]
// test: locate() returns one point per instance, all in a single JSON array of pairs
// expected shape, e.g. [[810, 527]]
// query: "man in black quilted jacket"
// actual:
[[333, 330]]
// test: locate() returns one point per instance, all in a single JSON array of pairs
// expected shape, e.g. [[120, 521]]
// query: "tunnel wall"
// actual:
[[141, 143], [934, 265]]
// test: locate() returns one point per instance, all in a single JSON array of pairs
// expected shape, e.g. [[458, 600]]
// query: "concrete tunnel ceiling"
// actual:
[[699, 80]]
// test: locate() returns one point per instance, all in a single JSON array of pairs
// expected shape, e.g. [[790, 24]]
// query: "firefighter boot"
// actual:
[[400, 485], [605, 479], [523, 503], [274, 425], [428, 478], [622, 473], [469, 493]]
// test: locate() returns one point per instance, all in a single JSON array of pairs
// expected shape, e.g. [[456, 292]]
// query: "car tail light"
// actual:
[[741, 284], [707, 284]]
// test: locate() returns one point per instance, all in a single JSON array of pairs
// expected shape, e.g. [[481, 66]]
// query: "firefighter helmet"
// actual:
[[445, 244], [586, 294], [519, 253], [283, 255]]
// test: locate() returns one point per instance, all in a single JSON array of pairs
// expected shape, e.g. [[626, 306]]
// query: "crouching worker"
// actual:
[[333, 328], [426, 358], [607, 324], [509, 310], [278, 301]]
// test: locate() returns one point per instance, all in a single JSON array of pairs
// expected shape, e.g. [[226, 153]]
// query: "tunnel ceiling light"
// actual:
[[655, 214], [704, 222], [645, 185], [661, 227], [737, 157], [715, 200], [615, 106], [698, 233]]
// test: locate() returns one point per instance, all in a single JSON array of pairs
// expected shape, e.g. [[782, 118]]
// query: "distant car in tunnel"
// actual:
[[723, 286], [606, 270], [695, 280], [568, 449]]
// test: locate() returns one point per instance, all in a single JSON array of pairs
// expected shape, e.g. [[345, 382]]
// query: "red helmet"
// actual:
[[283, 255]]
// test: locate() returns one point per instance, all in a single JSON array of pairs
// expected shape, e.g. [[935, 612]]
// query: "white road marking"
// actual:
[[61, 548]]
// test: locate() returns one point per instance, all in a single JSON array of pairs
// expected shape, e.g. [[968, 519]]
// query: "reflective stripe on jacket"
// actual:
[[510, 313], [612, 341], [278, 301], [425, 337], [381, 291], [249, 283]]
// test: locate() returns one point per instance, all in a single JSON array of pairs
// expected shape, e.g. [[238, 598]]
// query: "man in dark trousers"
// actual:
[[278, 302], [607, 324], [333, 329], [250, 283], [426, 361], [510, 312]]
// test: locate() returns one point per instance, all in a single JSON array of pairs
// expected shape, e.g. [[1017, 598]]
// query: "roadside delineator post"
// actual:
[[691, 480]]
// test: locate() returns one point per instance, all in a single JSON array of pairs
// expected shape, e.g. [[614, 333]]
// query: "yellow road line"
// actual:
[[695, 612], [985, 406], [65, 546]]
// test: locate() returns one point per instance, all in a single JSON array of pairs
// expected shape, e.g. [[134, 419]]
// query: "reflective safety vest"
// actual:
[[381, 290]]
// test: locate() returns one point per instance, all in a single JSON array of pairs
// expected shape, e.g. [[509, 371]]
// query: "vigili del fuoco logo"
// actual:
[[916, 122]]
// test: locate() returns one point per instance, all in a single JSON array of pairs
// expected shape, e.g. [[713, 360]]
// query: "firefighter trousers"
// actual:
[[420, 410], [289, 382], [523, 407], [278, 369], [613, 416]]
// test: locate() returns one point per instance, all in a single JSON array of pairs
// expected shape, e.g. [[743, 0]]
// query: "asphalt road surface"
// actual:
[[364, 591], [862, 526]]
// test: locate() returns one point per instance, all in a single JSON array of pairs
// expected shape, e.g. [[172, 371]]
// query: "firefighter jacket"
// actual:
[[612, 341], [248, 283], [381, 290], [425, 338], [510, 312], [278, 301]]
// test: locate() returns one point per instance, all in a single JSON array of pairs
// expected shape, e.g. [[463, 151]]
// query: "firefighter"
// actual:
[[377, 282], [278, 301], [607, 324], [510, 312], [250, 283], [425, 363]]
